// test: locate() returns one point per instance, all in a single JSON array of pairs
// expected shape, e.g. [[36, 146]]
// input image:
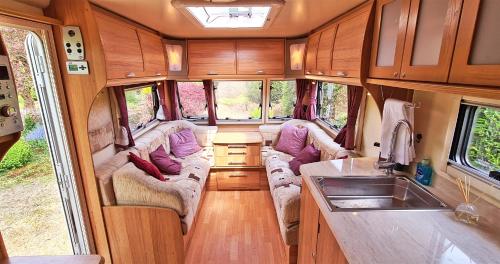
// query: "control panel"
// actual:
[[10, 116], [73, 43]]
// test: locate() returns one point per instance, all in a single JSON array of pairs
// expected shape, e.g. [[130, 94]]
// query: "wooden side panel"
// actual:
[[308, 228], [325, 48], [144, 234], [152, 54], [122, 50], [328, 250], [238, 180], [348, 46], [3, 251], [312, 52], [261, 56], [211, 57]]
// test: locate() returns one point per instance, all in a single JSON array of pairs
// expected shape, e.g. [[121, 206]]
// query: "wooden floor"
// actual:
[[236, 227]]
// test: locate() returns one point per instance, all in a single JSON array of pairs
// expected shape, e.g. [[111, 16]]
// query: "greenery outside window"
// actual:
[[282, 97], [142, 106], [192, 101], [332, 104], [476, 143], [238, 100]]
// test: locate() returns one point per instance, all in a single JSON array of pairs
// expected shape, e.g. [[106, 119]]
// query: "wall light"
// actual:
[[174, 54], [297, 56]]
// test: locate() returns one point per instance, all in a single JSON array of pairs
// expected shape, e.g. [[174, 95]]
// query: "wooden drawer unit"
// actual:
[[238, 180], [237, 155]]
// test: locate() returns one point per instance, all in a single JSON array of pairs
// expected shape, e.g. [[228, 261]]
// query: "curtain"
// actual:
[[124, 136], [311, 107], [209, 94], [175, 113], [347, 134], [162, 94], [298, 111]]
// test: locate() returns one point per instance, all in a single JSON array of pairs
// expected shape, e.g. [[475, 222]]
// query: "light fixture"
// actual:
[[230, 16], [297, 56], [174, 55]]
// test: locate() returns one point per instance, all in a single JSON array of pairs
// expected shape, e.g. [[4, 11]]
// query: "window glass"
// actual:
[[332, 104], [238, 100], [140, 107], [282, 99], [192, 100]]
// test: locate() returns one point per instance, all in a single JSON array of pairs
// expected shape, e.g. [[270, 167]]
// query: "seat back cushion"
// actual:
[[292, 139], [183, 143]]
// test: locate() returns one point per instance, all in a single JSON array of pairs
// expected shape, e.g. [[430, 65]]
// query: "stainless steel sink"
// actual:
[[356, 193]]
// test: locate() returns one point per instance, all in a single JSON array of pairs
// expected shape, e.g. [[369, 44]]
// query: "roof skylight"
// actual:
[[231, 17]]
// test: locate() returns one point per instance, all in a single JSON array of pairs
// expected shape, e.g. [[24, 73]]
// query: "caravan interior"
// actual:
[[249, 131]]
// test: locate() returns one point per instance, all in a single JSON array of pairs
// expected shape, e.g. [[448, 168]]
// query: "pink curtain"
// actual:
[[163, 105], [123, 140], [298, 111], [209, 94], [311, 107], [347, 134], [175, 113]]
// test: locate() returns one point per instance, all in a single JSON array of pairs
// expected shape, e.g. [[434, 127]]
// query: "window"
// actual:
[[332, 104], [238, 100], [142, 106], [476, 144], [192, 100], [282, 99], [230, 17]]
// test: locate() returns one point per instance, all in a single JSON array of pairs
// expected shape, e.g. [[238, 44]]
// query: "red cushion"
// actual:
[[308, 155], [160, 158], [146, 166]]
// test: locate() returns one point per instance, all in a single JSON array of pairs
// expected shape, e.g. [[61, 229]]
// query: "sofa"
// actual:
[[122, 183], [284, 185]]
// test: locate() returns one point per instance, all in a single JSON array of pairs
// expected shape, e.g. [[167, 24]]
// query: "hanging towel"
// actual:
[[404, 151]]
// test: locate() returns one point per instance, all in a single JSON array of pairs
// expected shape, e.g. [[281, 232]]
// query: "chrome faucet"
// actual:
[[389, 164]]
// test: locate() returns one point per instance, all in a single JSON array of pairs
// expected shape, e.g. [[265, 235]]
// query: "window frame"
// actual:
[[461, 137], [318, 108], [192, 118], [156, 106], [249, 120], [268, 105]]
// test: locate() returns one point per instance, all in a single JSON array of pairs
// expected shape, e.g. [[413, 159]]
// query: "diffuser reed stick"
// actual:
[[466, 211]]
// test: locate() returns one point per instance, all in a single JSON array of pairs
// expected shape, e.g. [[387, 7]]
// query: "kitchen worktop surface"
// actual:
[[400, 236]]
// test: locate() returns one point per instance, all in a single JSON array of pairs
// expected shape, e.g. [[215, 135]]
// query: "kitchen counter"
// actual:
[[400, 236]]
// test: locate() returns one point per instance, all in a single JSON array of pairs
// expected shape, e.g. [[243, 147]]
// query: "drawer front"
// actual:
[[235, 149], [237, 155], [238, 180], [238, 161]]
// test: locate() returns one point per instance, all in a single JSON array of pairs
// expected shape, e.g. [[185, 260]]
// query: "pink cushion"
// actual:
[[308, 155], [146, 166], [165, 164], [183, 143], [292, 139]]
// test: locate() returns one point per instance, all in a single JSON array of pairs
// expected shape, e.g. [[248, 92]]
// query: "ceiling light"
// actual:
[[230, 16]]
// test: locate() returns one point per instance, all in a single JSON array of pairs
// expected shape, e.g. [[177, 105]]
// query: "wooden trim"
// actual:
[[235, 77], [3, 250], [131, 81], [340, 80], [30, 17]]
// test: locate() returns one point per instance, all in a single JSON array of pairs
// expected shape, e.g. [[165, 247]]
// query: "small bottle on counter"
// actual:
[[424, 172]]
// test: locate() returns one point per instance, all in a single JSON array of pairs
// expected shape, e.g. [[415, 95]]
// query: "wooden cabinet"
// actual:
[[324, 51], [312, 51], [328, 250], [238, 180], [152, 53], [237, 155], [122, 49], [266, 56], [348, 47], [476, 58], [211, 57]]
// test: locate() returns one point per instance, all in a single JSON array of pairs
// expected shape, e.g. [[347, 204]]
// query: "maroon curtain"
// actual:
[[298, 111], [209, 94], [162, 95], [311, 107], [175, 112], [347, 134], [123, 120]]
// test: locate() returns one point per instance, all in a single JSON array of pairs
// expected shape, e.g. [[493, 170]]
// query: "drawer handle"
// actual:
[[260, 72], [157, 74], [320, 73], [236, 153], [341, 73], [236, 146], [130, 74], [212, 73], [238, 175], [237, 163]]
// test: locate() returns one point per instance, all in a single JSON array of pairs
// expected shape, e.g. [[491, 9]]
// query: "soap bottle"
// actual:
[[424, 172]]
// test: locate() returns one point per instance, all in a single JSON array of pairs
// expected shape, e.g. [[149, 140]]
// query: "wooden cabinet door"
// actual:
[[308, 228], [430, 38], [152, 54], [211, 57], [328, 250], [261, 56], [476, 59], [324, 53], [122, 50], [312, 51], [348, 46], [391, 17]]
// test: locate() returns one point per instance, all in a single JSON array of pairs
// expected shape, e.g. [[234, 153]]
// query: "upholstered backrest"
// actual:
[[204, 134]]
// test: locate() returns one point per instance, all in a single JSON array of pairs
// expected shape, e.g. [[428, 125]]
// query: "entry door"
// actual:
[[58, 144]]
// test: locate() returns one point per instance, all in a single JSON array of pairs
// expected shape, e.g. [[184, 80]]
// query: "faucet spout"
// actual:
[[389, 164]]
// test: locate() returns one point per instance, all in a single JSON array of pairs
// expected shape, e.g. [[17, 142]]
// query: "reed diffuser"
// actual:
[[466, 211]]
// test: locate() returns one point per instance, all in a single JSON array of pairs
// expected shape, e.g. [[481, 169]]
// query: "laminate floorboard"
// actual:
[[236, 227]]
